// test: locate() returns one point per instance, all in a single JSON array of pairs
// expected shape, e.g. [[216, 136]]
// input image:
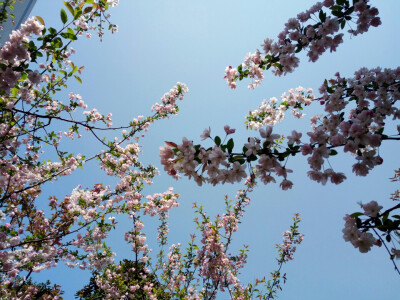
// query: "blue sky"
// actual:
[[162, 42]]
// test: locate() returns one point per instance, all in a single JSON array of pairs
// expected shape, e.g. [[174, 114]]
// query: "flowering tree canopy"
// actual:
[[40, 118], [36, 63], [356, 111]]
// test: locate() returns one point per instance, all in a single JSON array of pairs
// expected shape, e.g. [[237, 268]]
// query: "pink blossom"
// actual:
[[372, 209], [206, 133], [286, 184], [306, 149], [295, 137], [228, 130], [360, 169], [364, 242]]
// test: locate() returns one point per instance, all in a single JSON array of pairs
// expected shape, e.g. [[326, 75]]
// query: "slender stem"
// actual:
[[387, 249]]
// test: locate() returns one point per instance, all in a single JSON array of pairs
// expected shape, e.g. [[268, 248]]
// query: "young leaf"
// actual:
[[322, 16], [356, 214], [64, 17], [171, 144], [69, 7], [70, 31], [217, 140], [87, 9], [78, 79], [40, 19], [333, 152], [230, 144], [77, 13]]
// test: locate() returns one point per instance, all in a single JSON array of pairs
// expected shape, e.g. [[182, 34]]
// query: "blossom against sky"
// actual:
[[160, 43]]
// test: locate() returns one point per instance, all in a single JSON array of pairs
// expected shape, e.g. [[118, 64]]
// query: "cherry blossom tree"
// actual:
[[37, 234], [356, 111]]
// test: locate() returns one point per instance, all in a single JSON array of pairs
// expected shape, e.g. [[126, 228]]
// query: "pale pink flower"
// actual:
[[360, 169], [206, 134], [306, 149], [328, 3], [365, 242], [295, 137], [337, 178], [286, 184], [229, 130], [372, 209]]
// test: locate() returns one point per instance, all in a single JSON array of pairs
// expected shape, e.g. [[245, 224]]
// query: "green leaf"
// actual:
[[57, 42], [87, 9], [333, 152], [78, 79], [356, 214], [69, 36], [69, 7], [77, 13], [24, 76], [252, 158], [336, 7], [14, 91], [230, 145], [322, 16], [40, 19], [53, 31], [385, 217], [74, 69], [217, 140], [377, 222], [64, 17]]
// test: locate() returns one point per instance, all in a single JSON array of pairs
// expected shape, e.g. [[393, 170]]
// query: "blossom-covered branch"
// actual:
[[375, 228], [315, 31], [203, 271], [371, 98]]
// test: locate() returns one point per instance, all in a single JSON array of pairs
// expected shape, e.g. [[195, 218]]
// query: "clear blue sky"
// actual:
[[162, 42]]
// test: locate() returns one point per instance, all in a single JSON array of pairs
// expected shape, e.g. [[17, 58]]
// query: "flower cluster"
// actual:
[[187, 159], [373, 95], [373, 227], [14, 53], [300, 35], [270, 112], [361, 240], [201, 272], [168, 105], [37, 235], [291, 238]]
